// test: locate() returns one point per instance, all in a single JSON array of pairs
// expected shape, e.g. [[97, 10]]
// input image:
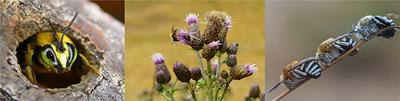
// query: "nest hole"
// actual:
[[55, 80]]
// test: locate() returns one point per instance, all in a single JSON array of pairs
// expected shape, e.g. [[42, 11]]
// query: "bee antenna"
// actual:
[[58, 44], [68, 28], [275, 86]]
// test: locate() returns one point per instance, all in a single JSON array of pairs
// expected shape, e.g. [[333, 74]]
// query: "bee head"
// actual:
[[59, 54], [55, 60]]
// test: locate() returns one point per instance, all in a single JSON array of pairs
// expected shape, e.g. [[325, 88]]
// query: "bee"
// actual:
[[50, 53], [174, 34], [331, 49], [296, 72], [368, 26]]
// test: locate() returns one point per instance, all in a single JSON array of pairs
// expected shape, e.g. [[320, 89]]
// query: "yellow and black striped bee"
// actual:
[[51, 53]]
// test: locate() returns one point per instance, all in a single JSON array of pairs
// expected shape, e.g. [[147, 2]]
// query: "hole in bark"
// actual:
[[51, 80]]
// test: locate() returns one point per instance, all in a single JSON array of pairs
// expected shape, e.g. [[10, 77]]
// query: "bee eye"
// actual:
[[72, 54], [50, 56]]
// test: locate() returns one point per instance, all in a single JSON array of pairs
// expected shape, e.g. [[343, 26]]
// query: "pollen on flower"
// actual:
[[250, 68], [192, 19], [158, 58]]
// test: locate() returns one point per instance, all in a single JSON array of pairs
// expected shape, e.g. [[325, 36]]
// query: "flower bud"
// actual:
[[196, 73], [182, 73], [254, 91], [231, 60], [224, 74], [233, 48], [210, 50], [240, 73], [163, 77], [196, 43]]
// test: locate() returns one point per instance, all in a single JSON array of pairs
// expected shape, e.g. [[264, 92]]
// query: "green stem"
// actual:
[[209, 81], [191, 88], [199, 58], [217, 88], [168, 93], [226, 88]]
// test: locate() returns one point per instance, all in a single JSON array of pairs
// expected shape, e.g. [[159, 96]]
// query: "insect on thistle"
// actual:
[[51, 53]]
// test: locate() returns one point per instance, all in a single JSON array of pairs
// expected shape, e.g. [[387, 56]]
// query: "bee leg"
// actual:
[[91, 67], [30, 74], [28, 71]]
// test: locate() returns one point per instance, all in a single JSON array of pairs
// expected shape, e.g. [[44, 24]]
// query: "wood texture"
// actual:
[[100, 35]]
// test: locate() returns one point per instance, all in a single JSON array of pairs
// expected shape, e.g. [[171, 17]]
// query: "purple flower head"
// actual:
[[228, 22], [158, 58], [214, 45], [250, 68], [183, 37], [192, 18]]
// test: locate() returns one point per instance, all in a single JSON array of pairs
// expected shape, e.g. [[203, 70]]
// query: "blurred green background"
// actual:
[[148, 25], [295, 30]]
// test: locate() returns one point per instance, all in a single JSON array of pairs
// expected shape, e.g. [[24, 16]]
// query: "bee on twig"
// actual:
[[331, 48], [368, 26], [296, 72]]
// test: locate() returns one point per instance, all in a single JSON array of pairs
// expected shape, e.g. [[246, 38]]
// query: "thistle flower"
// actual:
[[231, 60], [158, 58], [228, 22], [163, 77], [214, 45], [250, 68], [181, 72], [245, 71], [254, 91], [232, 48], [196, 73], [210, 50], [192, 19], [183, 37], [215, 23]]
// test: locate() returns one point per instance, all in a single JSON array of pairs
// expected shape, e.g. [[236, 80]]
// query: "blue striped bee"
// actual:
[[331, 49], [368, 26], [296, 72]]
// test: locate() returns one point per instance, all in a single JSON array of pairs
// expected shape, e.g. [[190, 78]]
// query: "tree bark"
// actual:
[[100, 35]]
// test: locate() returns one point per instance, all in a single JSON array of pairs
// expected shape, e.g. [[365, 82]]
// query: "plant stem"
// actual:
[[199, 58], [209, 81], [217, 88], [192, 91], [226, 88], [168, 93]]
